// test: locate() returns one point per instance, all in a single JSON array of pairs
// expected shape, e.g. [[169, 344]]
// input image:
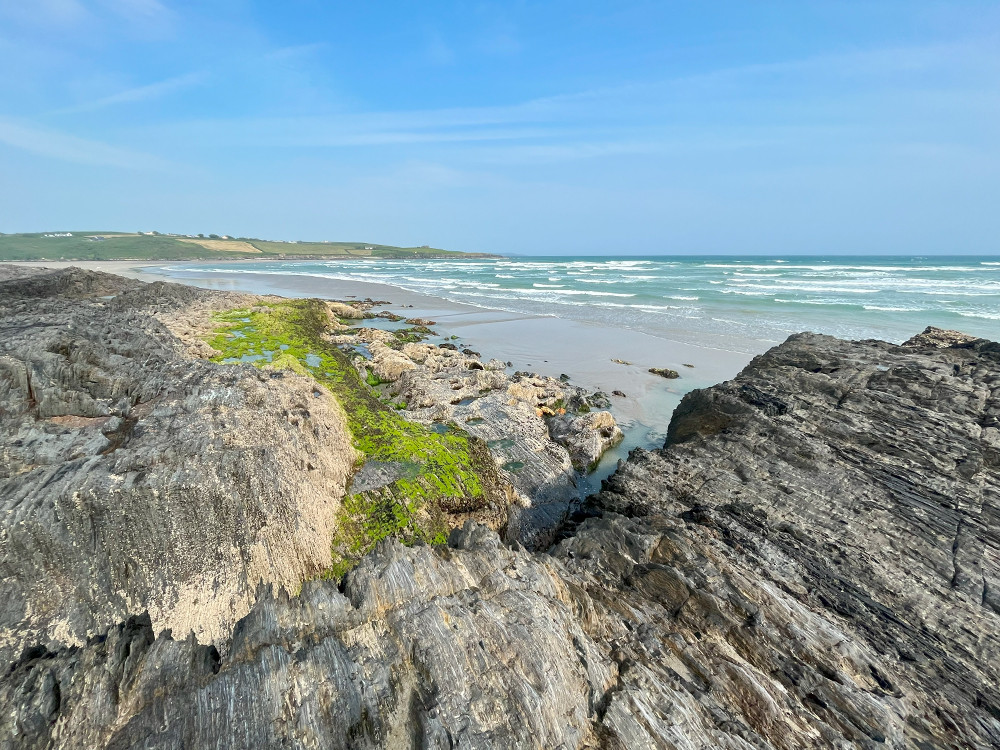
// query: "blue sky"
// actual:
[[515, 127]]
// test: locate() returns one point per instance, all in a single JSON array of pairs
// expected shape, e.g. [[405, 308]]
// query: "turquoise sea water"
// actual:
[[738, 302]]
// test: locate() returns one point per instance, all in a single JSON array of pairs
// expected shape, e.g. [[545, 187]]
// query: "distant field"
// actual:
[[125, 246], [226, 246]]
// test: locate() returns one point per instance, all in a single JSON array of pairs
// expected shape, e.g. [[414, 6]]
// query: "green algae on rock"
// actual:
[[438, 481]]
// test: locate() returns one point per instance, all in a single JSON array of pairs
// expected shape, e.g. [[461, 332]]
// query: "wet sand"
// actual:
[[132, 269]]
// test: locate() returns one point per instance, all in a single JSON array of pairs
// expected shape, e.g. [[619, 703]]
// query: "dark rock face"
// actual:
[[848, 494], [811, 562]]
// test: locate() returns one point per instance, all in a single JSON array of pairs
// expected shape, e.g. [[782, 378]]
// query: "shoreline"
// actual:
[[544, 344]]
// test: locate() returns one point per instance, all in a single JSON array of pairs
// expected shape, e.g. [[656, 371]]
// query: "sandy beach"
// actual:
[[544, 344]]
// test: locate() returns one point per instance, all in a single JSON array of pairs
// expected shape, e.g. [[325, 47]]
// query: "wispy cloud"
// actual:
[[64, 147], [44, 12], [139, 93], [74, 12]]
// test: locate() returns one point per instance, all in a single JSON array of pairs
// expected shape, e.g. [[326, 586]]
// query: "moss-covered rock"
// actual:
[[450, 477]]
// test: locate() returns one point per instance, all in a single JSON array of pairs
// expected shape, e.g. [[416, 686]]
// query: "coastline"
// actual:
[[542, 344], [229, 503], [547, 345]]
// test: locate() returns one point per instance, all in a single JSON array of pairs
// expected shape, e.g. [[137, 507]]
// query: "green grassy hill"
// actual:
[[133, 246]]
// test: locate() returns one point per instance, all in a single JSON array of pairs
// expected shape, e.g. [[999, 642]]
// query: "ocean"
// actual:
[[738, 303]]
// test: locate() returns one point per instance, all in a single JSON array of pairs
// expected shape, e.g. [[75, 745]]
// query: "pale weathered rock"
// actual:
[[940, 338], [133, 478], [587, 437], [388, 364], [441, 385], [348, 312]]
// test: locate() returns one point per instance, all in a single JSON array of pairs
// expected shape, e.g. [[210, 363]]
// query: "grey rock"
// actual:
[[940, 338], [587, 437], [135, 478], [810, 562]]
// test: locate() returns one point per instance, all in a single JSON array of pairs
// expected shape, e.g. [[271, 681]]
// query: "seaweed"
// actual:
[[449, 468]]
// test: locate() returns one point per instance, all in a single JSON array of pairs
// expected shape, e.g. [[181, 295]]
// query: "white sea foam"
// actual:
[[841, 297]]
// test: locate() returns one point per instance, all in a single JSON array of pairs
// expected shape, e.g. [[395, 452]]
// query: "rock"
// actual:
[[620, 394], [389, 364], [372, 335], [504, 412], [420, 322], [664, 372], [685, 364], [853, 542], [598, 400], [621, 362], [134, 477], [810, 561], [822, 575], [940, 338], [345, 311], [586, 437]]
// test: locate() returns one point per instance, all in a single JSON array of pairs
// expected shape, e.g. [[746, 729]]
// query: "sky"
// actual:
[[626, 127]]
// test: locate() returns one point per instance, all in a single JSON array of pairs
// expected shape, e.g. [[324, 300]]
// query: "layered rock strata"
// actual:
[[811, 561], [135, 478]]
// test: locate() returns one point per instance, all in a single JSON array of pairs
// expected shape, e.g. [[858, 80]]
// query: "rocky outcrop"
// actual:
[[539, 430], [940, 338], [810, 562], [665, 372], [587, 437], [133, 478], [832, 546]]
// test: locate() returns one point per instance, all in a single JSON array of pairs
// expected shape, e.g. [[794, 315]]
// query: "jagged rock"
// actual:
[[134, 478], [586, 437], [837, 505], [342, 310], [372, 335], [810, 562], [389, 364], [940, 338], [665, 372], [505, 412]]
